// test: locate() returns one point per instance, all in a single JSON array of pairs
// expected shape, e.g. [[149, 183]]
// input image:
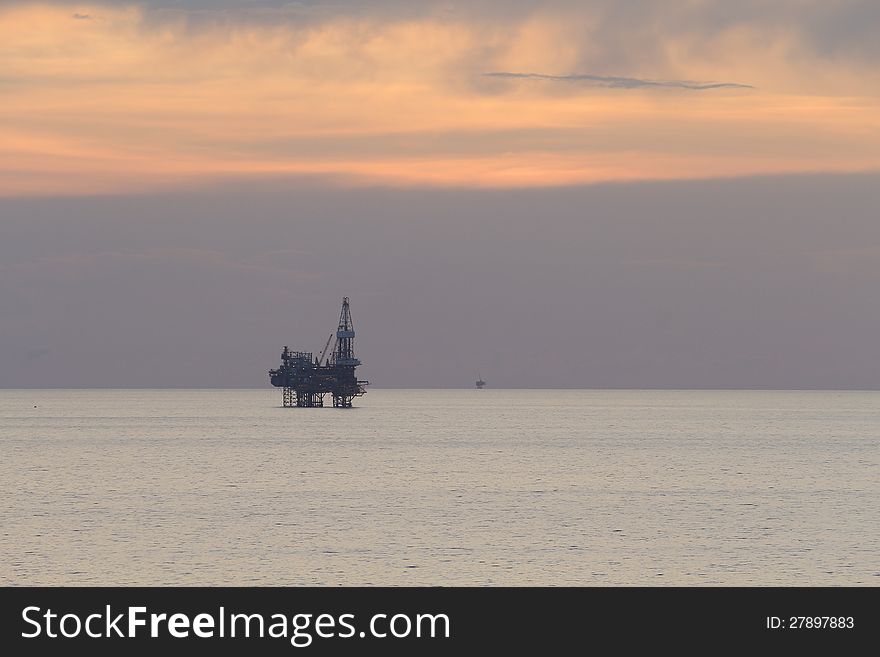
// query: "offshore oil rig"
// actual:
[[306, 380]]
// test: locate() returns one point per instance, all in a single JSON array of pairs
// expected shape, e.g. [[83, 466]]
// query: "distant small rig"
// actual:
[[305, 379]]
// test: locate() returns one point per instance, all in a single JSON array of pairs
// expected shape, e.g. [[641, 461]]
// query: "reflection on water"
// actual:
[[495, 487]]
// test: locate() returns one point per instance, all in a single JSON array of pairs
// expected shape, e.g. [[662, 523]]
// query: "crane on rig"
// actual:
[[324, 351]]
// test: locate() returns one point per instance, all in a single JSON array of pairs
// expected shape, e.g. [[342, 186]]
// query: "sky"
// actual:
[[604, 193]]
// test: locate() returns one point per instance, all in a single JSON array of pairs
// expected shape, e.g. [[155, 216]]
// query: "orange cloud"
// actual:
[[131, 100]]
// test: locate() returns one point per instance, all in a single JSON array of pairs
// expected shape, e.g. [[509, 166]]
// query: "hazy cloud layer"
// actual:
[[170, 95], [747, 283]]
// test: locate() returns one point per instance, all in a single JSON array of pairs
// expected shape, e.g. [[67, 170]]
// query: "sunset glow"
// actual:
[[103, 99]]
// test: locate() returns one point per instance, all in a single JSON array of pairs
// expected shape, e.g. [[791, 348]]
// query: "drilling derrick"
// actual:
[[305, 380], [348, 387]]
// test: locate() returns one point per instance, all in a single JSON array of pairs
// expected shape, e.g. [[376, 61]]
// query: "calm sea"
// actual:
[[440, 487]]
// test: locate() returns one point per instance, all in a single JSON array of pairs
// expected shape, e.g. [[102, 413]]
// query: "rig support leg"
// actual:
[[309, 399], [342, 401]]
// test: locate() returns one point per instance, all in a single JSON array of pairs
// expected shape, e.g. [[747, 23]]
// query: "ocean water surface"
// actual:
[[440, 487]]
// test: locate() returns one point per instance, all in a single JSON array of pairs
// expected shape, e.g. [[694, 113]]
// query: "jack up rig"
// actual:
[[306, 380]]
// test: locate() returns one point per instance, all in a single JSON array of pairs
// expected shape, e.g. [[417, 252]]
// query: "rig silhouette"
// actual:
[[305, 379]]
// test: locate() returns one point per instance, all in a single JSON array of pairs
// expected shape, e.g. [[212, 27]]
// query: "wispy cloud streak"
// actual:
[[617, 82]]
